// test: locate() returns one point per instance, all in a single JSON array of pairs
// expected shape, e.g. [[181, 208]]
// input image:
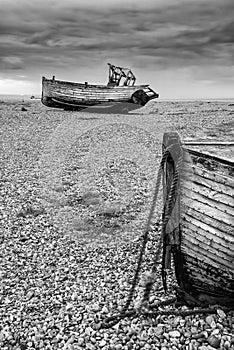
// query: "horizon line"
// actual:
[[158, 100]]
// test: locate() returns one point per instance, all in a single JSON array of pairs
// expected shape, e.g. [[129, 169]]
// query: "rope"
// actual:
[[153, 314], [168, 207], [184, 313], [169, 204], [111, 321]]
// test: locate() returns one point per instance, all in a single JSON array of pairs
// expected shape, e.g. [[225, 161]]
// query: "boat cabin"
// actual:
[[120, 76]]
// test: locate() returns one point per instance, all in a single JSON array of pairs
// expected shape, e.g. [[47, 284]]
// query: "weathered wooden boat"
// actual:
[[121, 88], [199, 234]]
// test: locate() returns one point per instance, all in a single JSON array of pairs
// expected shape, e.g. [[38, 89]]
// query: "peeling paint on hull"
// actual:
[[200, 231]]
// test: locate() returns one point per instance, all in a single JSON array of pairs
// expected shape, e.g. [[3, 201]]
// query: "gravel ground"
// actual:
[[75, 192]]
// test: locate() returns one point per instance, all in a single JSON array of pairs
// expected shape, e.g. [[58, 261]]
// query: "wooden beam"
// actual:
[[208, 143]]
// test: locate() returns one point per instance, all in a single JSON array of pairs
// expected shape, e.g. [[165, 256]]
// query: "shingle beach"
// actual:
[[75, 192]]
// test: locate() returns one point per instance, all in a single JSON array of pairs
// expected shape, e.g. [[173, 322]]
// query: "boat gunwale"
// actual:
[[208, 155], [101, 86]]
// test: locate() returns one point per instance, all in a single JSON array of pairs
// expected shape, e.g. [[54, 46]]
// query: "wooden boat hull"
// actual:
[[200, 231], [69, 95]]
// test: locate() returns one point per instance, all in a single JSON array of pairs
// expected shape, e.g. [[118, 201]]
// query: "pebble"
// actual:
[[102, 343], [116, 326], [174, 334], [157, 331], [104, 310], [214, 341], [41, 344], [200, 335], [210, 319], [221, 313], [95, 307], [81, 341], [182, 323], [215, 331], [227, 345], [93, 340], [193, 330]]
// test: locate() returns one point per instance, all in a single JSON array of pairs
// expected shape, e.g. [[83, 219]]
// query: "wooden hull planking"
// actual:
[[62, 94], [200, 231]]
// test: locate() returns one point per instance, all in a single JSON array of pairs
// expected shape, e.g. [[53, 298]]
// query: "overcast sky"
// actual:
[[182, 48]]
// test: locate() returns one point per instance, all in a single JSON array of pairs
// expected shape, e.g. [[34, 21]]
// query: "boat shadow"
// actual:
[[109, 108]]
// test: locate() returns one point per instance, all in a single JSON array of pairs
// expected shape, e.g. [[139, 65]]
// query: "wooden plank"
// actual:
[[205, 264], [207, 182], [217, 292], [220, 295], [87, 92], [207, 283], [189, 247], [204, 276], [226, 180], [195, 186], [224, 272], [211, 222], [210, 235], [211, 156], [224, 280], [208, 240], [204, 208], [97, 93], [91, 96], [198, 197], [207, 143], [220, 254], [96, 90], [88, 99], [207, 227]]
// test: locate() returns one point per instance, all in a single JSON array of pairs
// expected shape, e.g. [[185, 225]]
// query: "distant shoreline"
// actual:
[[38, 97]]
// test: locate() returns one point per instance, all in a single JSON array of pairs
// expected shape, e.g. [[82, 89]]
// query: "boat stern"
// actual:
[[46, 94]]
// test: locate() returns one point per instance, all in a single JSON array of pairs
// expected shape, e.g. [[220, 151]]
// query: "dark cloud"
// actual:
[[64, 36], [12, 63], [223, 33]]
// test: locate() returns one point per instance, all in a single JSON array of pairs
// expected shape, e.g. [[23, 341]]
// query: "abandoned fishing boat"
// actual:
[[121, 88], [199, 230]]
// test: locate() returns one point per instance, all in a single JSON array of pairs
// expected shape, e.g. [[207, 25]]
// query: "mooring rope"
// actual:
[[168, 207], [112, 320]]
